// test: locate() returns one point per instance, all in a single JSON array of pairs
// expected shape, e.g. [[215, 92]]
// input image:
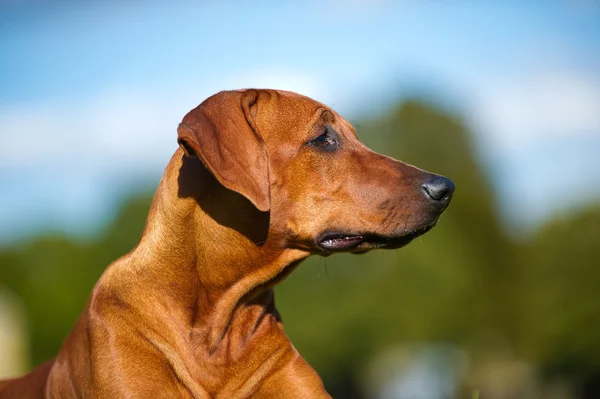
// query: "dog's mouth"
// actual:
[[338, 242]]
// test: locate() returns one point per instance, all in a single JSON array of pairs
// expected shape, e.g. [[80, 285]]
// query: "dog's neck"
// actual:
[[216, 269], [198, 289]]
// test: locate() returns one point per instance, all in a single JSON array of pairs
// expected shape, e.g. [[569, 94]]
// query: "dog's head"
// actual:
[[299, 160]]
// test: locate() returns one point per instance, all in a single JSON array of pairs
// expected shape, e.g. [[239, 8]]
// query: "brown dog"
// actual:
[[262, 180]]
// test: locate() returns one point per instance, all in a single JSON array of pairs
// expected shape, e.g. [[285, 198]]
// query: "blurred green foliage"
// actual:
[[465, 278]]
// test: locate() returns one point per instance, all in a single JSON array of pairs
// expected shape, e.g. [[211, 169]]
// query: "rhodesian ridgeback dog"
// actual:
[[262, 180]]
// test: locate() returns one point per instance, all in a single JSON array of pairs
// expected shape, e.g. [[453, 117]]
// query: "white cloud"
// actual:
[[540, 131], [524, 111], [111, 127]]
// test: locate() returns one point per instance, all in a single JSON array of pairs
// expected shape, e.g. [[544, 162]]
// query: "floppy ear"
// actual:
[[222, 133]]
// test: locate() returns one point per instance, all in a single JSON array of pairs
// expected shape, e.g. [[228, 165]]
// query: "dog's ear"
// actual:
[[222, 133]]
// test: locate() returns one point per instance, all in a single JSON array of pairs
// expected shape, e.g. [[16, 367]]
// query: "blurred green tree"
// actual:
[[561, 304]]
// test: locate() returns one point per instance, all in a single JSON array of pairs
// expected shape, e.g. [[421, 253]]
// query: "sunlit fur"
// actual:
[[190, 311]]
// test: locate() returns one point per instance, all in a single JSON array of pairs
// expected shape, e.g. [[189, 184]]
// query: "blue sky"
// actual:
[[91, 92]]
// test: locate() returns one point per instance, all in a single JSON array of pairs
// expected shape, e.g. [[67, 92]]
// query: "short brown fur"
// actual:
[[190, 312]]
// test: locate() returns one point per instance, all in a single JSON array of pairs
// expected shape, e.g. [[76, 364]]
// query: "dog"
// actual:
[[261, 180]]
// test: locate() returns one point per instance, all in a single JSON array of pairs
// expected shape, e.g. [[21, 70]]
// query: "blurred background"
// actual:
[[501, 300]]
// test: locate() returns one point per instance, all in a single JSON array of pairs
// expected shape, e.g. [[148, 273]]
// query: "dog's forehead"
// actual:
[[286, 114]]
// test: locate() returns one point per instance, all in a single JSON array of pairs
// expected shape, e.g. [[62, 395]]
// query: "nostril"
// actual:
[[439, 189]]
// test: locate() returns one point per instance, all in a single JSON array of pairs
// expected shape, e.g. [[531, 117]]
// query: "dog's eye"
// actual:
[[327, 141]]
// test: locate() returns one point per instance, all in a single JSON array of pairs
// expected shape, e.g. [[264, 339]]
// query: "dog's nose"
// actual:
[[439, 190]]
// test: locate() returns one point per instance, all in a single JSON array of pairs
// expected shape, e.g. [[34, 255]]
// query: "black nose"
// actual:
[[439, 190]]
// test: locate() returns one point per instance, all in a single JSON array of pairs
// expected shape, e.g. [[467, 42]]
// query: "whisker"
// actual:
[[326, 271], [319, 267]]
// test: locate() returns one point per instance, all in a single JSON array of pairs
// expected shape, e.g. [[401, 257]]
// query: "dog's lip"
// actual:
[[338, 241]]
